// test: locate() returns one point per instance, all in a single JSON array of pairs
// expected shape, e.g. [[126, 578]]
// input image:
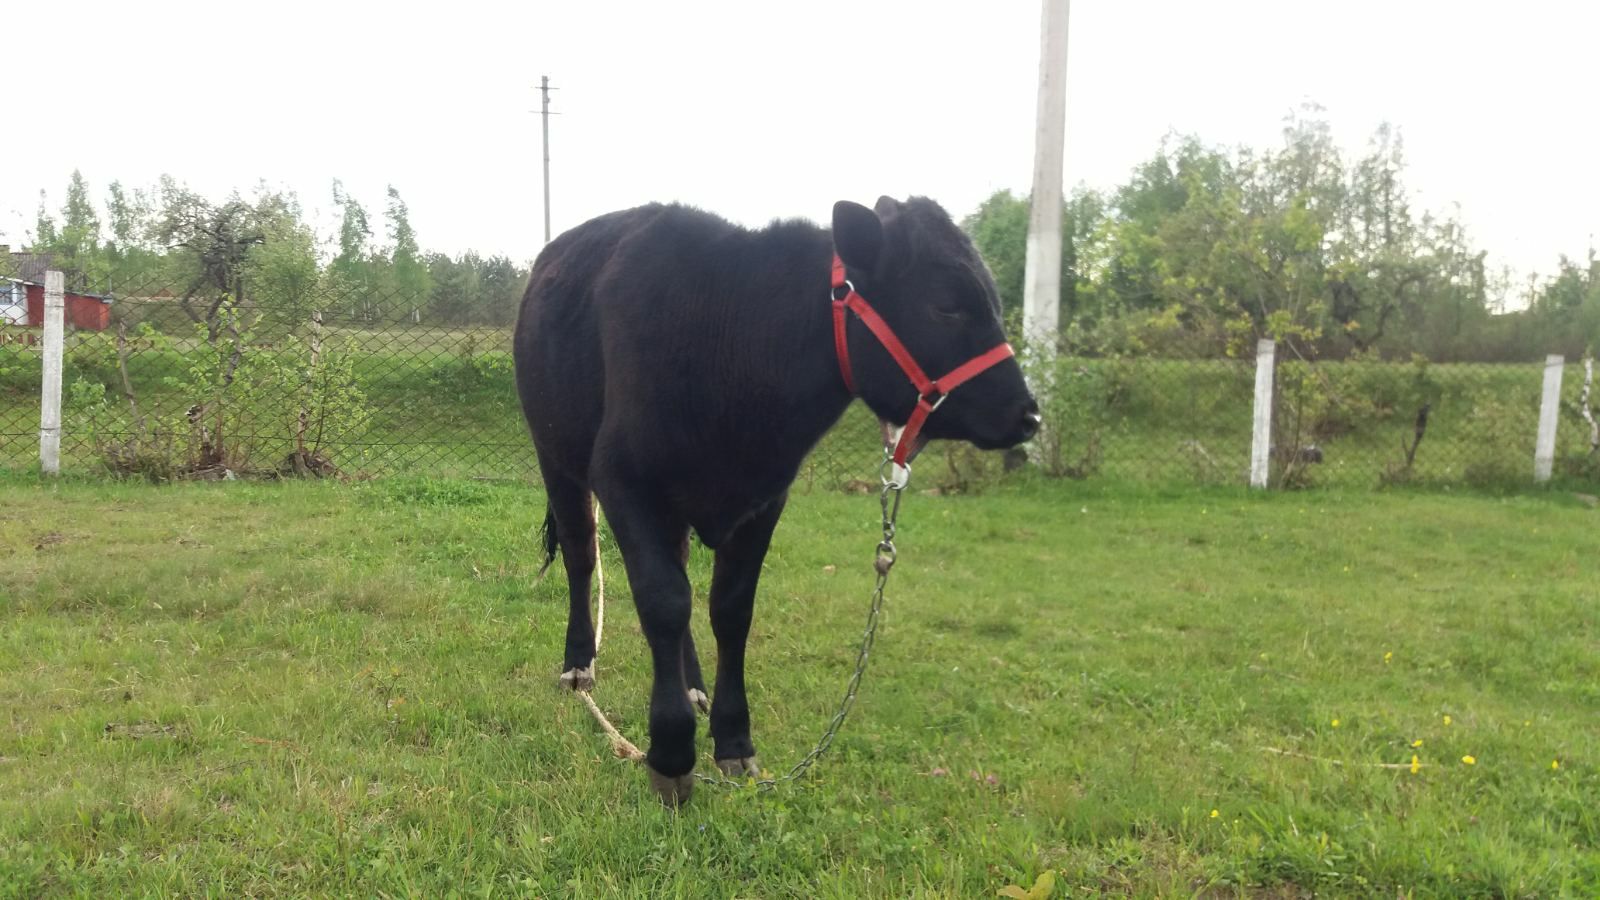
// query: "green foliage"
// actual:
[[1076, 397], [78, 244], [123, 442], [247, 404], [230, 404], [1203, 250], [256, 250], [473, 290], [999, 229], [327, 405], [45, 234], [412, 281], [352, 262], [1567, 310], [469, 367]]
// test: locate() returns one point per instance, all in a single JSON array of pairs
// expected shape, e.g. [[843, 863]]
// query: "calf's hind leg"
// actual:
[[573, 511], [692, 676], [650, 541]]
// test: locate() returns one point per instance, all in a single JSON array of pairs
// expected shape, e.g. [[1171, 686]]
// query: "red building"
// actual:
[[89, 312]]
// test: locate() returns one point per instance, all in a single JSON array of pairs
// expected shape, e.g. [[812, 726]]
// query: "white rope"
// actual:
[[621, 746], [600, 577]]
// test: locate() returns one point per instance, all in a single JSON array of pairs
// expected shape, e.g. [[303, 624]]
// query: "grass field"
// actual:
[[351, 689]]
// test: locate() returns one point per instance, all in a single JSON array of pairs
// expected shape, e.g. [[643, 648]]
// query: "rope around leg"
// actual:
[[625, 749], [600, 577], [621, 746]]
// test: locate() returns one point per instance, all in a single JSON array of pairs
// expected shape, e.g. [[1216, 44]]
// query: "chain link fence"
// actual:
[[328, 378]]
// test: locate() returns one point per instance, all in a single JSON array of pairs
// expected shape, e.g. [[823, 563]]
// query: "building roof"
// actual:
[[31, 267]]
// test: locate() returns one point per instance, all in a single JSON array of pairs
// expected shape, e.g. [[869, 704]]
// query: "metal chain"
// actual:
[[894, 481]]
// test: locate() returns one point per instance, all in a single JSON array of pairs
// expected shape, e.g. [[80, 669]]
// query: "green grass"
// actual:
[[351, 689]]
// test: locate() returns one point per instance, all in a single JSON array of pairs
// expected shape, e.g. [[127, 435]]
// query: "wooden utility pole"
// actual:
[[1041, 298]]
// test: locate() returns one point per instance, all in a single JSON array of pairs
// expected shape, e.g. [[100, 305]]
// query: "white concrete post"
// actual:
[[1041, 292], [50, 396], [1584, 407], [1261, 432], [1544, 449]]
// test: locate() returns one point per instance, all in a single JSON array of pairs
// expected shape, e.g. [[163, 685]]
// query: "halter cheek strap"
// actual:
[[930, 391]]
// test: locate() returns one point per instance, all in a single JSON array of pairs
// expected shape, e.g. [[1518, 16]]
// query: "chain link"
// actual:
[[889, 502]]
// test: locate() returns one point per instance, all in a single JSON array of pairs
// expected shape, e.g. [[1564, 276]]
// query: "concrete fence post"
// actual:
[[1544, 449], [1261, 433], [50, 394]]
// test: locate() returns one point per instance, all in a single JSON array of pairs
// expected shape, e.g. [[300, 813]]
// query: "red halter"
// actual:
[[930, 392]]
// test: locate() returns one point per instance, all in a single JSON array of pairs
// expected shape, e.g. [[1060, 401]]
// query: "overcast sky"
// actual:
[[758, 110]]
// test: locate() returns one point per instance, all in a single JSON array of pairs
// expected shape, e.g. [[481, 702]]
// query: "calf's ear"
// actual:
[[857, 235]]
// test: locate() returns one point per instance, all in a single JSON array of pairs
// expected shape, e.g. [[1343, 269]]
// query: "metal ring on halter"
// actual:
[[848, 289], [894, 476]]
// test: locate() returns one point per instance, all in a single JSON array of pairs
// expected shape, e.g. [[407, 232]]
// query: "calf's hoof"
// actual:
[[579, 679], [744, 767], [673, 791], [699, 700]]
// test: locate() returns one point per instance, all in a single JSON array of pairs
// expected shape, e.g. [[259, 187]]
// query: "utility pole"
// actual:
[[1041, 298], [544, 113]]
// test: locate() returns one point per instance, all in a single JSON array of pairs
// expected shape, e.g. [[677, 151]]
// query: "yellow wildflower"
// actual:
[[1416, 764], [1388, 656], [1417, 742], [1555, 764], [1336, 723], [1214, 814], [1447, 721], [1470, 760]]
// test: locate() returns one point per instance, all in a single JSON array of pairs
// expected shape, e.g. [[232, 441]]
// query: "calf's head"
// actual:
[[921, 273]]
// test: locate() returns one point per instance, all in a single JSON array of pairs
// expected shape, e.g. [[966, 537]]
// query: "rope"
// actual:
[[625, 749], [600, 577], [621, 746]]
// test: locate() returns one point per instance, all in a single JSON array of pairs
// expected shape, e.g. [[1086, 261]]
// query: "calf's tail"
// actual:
[[547, 535]]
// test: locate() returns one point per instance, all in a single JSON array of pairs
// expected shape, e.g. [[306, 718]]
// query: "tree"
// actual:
[[1567, 309], [129, 216], [456, 292], [78, 243], [129, 253], [410, 272], [352, 268], [999, 229], [45, 235], [222, 254], [354, 232], [502, 284]]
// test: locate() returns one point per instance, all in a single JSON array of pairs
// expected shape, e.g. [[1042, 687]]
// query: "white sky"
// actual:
[[757, 109]]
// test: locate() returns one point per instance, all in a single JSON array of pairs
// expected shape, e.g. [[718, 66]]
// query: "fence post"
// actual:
[[1261, 434], [50, 394], [1544, 451]]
